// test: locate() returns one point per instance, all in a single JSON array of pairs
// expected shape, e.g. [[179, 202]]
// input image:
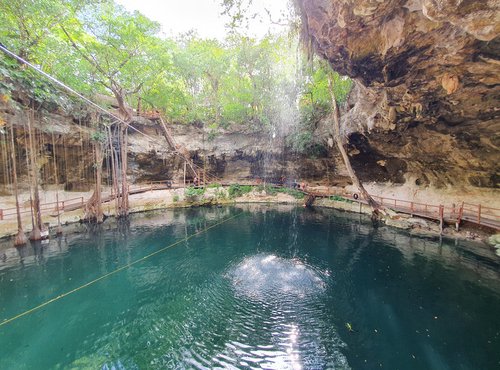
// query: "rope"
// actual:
[[92, 282]]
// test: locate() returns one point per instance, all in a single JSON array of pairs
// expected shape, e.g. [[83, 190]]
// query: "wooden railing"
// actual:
[[63, 205], [474, 213]]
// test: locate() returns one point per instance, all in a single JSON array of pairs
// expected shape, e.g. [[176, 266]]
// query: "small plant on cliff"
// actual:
[[175, 198]]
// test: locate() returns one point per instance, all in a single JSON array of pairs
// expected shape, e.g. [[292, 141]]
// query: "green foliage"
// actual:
[[315, 105], [293, 192], [99, 136], [237, 190], [175, 198], [339, 198], [98, 47], [303, 141], [193, 191], [273, 190], [214, 185], [221, 194]]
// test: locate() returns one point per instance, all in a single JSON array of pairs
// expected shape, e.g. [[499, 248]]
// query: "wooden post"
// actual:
[[479, 214], [185, 164], [411, 208], [1, 214], [460, 214]]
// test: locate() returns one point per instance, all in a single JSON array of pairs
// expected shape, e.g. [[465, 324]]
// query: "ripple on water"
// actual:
[[267, 278], [281, 299]]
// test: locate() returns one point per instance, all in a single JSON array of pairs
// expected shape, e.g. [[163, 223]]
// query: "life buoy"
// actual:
[[355, 196]]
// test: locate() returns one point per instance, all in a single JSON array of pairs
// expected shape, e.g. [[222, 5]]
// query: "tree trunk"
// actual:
[[37, 225], [340, 145], [20, 237], [93, 208]]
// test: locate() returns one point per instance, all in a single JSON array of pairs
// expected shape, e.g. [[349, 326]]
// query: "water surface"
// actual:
[[272, 287]]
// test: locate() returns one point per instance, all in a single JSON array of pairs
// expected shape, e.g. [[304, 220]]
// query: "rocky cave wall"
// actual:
[[231, 155], [425, 105]]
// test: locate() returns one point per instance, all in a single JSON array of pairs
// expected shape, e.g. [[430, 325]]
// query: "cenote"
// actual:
[[273, 287]]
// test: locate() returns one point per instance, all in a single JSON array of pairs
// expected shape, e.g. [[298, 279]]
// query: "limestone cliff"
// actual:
[[425, 107], [236, 154]]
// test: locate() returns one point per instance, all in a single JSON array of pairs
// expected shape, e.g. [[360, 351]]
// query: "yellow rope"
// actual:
[[6, 321]]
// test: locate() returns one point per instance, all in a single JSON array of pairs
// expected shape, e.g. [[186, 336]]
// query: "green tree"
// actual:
[[122, 49]]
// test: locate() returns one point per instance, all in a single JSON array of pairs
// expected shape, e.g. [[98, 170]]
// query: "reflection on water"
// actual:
[[272, 288]]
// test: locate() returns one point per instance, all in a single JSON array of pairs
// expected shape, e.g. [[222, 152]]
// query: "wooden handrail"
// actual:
[[470, 212]]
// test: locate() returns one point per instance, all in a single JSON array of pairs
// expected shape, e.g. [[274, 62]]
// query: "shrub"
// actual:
[[191, 193], [273, 190], [338, 198], [237, 190], [221, 194], [175, 198], [293, 192]]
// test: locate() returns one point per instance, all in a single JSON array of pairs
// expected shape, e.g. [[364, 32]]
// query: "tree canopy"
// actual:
[[98, 46]]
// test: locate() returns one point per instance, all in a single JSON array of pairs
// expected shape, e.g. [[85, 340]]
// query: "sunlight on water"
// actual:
[[291, 289], [269, 277]]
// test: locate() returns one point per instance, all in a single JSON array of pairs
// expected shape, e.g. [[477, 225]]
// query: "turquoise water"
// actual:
[[272, 287]]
